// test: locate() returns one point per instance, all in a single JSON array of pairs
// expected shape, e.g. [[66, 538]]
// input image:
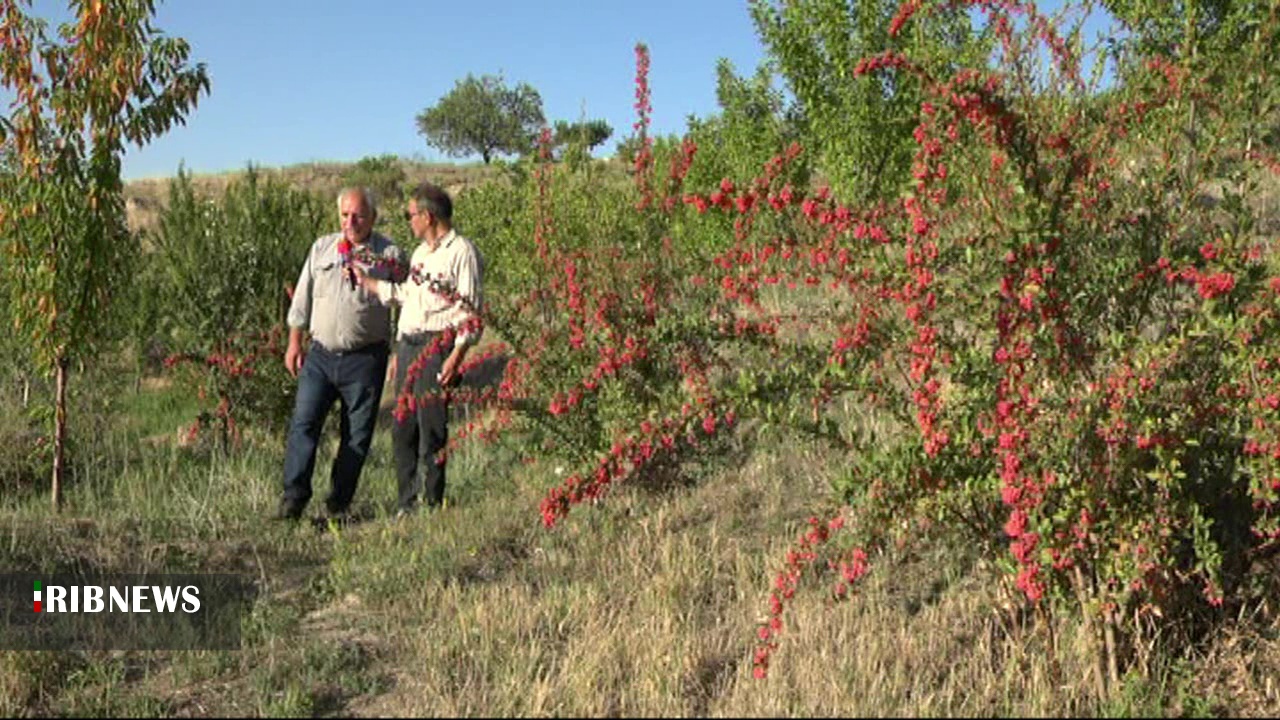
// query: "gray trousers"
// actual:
[[418, 439]]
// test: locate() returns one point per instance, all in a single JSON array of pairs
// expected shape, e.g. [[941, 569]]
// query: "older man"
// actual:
[[350, 342]]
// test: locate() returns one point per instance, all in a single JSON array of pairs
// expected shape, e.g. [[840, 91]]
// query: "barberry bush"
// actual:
[[1055, 343]]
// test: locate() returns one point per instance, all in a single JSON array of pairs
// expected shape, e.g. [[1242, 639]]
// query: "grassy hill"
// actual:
[[144, 198]]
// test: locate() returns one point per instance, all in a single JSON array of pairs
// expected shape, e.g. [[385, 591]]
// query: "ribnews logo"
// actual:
[[123, 612], [138, 598]]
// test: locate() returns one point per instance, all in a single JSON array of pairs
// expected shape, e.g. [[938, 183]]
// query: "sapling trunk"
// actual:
[[59, 428]]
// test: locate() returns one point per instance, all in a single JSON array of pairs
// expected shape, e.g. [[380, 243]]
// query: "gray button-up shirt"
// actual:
[[338, 316]]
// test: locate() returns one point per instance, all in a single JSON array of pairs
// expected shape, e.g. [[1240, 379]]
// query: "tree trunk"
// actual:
[[1113, 660], [59, 429]]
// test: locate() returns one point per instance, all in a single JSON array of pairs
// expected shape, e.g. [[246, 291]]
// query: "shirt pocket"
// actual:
[[327, 276]]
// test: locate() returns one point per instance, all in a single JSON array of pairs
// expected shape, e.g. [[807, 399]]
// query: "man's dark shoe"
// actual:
[[329, 519], [288, 511], [407, 511]]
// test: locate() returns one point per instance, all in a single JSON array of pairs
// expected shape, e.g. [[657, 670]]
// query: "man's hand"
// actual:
[[294, 355], [449, 369], [359, 278]]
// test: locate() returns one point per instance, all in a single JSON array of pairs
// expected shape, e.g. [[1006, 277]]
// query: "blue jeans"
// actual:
[[355, 378]]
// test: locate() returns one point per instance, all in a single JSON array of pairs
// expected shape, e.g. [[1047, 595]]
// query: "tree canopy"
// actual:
[[483, 116], [589, 133]]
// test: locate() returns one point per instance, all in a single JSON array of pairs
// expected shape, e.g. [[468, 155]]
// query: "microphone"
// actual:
[[344, 252]]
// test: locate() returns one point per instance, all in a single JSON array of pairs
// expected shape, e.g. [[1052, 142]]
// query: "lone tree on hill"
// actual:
[[484, 116]]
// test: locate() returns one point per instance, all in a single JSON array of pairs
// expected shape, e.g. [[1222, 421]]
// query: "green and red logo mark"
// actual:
[[37, 596]]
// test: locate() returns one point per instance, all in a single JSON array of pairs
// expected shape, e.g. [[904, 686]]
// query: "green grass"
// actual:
[[643, 604]]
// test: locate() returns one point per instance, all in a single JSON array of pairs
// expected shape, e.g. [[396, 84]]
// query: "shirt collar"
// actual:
[[370, 240], [445, 241]]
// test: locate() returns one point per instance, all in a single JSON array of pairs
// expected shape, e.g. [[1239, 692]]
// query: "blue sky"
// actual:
[[298, 81], [313, 80]]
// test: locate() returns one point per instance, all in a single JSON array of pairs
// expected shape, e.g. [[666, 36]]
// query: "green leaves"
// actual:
[[108, 78], [383, 174], [111, 77], [859, 127], [588, 133], [225, 261], [483, 116], [222, 265], [753, 125]]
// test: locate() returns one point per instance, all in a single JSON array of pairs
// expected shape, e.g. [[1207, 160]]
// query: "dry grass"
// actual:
[[643, 605], [145, 198]]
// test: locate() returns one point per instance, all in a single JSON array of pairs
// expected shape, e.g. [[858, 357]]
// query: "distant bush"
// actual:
[[226, 268], [25, 466], [384, 175]]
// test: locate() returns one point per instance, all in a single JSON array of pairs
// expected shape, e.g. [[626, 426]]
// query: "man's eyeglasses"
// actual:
[[408, 216]]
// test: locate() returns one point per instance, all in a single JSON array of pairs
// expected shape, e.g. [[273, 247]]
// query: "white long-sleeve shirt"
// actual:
[[444, 289]]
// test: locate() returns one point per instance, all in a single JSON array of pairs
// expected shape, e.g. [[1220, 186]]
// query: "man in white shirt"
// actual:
[[440, 305]]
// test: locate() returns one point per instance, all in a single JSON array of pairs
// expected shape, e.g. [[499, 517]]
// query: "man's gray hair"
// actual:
[[370, 200], [433, 199]]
